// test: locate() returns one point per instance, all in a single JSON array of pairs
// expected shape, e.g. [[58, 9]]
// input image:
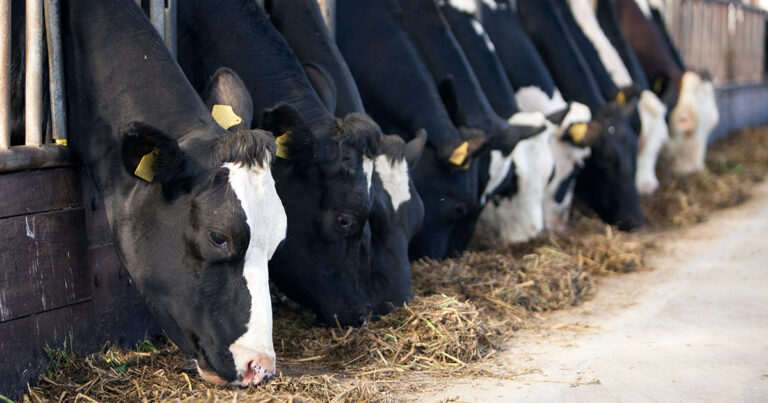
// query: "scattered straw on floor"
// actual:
[[462, 311]]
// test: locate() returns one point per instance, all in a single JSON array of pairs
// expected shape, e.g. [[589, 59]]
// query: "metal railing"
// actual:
[[726, 39]]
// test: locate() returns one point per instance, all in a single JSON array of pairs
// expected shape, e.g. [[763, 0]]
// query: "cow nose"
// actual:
[[358, 315], [257, 366], [630, 223], [460, 210], [648, 188]]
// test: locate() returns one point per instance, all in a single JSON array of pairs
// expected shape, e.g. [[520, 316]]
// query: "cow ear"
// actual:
[[149, 154], [583, 134], [227, 90], [323, 85], [415, 147], [447, 89], [293, 137], [558, 117]]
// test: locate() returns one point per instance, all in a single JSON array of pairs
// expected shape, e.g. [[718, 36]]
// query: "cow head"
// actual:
[[396, 217], [691, 120], [324, 176], [201, 236], [607, 182], [570, 147], [654, 134]]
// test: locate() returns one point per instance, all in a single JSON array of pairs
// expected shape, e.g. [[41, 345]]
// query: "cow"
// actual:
[[651, 112], [535, 90], [397, 211], [192, 207], [450, 68], [689, 96], [324, 167], [607, 182], [399, 94]]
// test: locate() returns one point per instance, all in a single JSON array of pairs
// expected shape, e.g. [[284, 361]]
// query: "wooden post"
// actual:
[[56, 69], [157, 16], [5, 74], [33, 94]]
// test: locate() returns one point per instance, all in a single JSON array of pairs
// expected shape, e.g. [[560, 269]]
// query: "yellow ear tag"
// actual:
[[466, 165], [225, 116], [621, 98], [459, 154], [578, 131], [61, 142], [144, 170], [657, 85], [282, 145]]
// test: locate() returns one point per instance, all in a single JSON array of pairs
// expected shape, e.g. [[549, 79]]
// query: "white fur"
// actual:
[[481, 32], [644, 7], [696, 103], [527, 119], [585, 18], [368, 172], [521, 218], [264, 213], [467, 6], [534, 99], [654, 134], [490, 3], [566, 157], [497, 171], [394, 177]]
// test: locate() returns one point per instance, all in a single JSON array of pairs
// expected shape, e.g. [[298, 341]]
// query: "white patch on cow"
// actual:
[[566, 156], [497, 171], [534, 99], [467, 6], [490, 3], [394, 177], [481, 32], [654, 134], [265, 216], [521, 218], [585, 18], [527, 119], [644, 7], [368, 172], [690, 122]]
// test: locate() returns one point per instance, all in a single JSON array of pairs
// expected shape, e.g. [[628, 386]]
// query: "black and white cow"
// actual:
[[447, 64], [325, 166], [535, 90], [192, 207], [689, 96], [400, 95], [607, 183], [397, 211]]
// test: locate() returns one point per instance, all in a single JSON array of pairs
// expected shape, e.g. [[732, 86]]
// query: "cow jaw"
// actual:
[[394, 177], [567, 157], [253, 352], [654, 134]]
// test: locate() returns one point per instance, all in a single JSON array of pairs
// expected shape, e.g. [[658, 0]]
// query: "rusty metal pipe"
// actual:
[[157, 16], [56, 72], [33, 80], [170, 26], [5, 74]]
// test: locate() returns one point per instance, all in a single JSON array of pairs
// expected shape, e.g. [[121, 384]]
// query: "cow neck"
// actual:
[[122, 73], [378, 28], [443, 57], [302, 25], [609, 22], [519, 57], [238, 34], [482, 57]]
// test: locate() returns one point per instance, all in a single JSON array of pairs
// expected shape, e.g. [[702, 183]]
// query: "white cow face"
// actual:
[[691, 121], [654, 134]]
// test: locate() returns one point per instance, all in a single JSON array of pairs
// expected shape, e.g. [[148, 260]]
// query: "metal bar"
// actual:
[[56, 72], [5, 74], [33, 83], [170, 25], [157, 15], [328, 9], [20, 158], [138, 3]]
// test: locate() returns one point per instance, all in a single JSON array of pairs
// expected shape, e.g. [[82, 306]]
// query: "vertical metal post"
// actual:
[[328, 9], [33, 94], [56, 72], [157, 15], [5, 74], [170, 26], [138, 3]]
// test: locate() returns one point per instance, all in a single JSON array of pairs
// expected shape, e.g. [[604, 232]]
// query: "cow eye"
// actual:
[[346, 224], [218, 239]]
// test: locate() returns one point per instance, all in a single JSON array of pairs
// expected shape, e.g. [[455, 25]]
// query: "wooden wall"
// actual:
[[60, 279]]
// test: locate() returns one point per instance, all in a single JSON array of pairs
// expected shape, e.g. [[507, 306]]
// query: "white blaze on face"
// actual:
[[534, 99], [481, 32], [394, 177], [521, 218], [265, 216], [467, 6], [368, 172], [654, 134], [690, 122], [566, 158], [585, 18]]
